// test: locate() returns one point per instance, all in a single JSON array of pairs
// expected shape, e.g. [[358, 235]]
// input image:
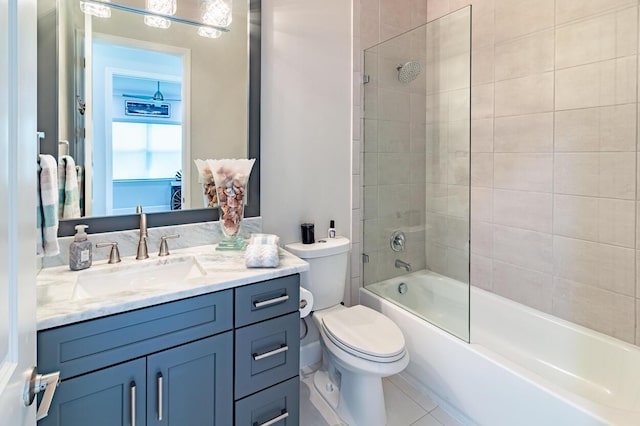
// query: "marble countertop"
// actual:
[[59, 304]]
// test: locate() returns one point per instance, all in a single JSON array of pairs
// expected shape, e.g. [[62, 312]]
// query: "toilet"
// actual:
[[360, 346]]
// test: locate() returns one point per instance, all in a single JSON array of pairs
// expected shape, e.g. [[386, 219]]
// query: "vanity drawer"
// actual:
[[268, 299], [267, 353], [79, 348], [280, 401]]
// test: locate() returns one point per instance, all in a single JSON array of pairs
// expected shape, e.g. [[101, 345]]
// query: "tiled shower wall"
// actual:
[[554, 200]]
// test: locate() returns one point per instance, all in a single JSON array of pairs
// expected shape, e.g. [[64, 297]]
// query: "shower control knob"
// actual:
[[398, 240]]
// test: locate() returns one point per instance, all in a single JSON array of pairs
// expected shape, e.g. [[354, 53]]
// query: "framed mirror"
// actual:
[[134, 105]]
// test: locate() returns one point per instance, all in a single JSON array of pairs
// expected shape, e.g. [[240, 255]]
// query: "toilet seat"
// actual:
[[364, 333]]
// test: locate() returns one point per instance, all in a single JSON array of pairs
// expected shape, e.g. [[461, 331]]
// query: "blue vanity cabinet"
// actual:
[[113, 396], [191, 385]]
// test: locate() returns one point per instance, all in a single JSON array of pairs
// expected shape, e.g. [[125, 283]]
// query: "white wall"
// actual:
[[306, 116]]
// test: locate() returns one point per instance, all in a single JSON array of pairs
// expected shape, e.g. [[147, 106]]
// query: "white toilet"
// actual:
[[360, 345]]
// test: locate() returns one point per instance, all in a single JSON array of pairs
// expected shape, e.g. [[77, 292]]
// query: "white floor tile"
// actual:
[[444, 418], [314, 411], [401, 410], [423, 400], [427, 420]]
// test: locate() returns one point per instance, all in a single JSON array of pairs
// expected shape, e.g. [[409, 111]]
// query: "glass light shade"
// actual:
[[164, 7], [157, 22], [217, 12], [95, 9], [209, 32]]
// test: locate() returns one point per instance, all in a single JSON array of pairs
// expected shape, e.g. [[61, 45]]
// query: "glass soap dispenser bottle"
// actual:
[[80, 250]]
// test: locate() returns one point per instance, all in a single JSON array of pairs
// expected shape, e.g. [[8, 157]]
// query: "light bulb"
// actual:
[[217, 12], [209, 32], [95, 9]]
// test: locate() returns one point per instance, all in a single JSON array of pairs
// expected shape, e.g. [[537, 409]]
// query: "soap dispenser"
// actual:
[[80, 250]]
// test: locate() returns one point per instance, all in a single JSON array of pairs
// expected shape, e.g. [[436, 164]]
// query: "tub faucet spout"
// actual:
[[403, 265]]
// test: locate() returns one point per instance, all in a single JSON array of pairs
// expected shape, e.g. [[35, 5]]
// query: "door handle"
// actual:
[[37, 383]]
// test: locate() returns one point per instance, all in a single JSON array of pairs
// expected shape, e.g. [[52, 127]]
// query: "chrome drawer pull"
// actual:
[[132, 390], [273, 421], [270, 302], [159, 380], [282, 348]]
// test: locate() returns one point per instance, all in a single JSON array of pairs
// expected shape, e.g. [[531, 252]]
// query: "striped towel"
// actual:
[[47, 205], [262, 256], [69, 195], [264, 239]]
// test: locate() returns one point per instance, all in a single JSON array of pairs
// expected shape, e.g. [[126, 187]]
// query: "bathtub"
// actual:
[[523, 367]]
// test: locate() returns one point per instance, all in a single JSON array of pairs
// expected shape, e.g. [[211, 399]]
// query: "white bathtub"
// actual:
[[523, 367]]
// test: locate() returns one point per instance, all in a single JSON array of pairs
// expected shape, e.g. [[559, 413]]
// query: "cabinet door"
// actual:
[[191, 385], [108, 397]]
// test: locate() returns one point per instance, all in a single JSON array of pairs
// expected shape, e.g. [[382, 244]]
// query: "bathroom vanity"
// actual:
[[220, 348]]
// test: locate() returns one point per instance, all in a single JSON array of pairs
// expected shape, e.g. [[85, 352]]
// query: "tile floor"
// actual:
[[406, 405]]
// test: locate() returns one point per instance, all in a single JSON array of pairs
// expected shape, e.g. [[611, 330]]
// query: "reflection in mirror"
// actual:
[[134, 105]]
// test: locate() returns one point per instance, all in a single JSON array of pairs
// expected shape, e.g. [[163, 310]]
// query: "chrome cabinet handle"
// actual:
[[132, 395], [282, 348], [159, 380], [270, 302], [274, 420]]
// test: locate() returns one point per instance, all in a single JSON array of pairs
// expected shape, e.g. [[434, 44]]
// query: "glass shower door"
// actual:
[[416, 179]]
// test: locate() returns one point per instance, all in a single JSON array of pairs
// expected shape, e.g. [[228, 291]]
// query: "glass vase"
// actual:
[[231, 202]]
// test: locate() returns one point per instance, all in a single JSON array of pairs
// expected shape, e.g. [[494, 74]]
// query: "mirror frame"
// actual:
[[101, 224]]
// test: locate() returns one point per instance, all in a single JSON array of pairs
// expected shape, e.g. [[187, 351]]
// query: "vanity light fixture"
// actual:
[[94, 9], [217, 12], [209, 32], [162, 7]]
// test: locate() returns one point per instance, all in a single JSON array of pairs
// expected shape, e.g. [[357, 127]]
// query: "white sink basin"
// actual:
[[134, 277]]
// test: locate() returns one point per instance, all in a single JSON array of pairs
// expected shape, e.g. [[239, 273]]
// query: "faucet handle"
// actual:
[[164, 247], [114, 254]]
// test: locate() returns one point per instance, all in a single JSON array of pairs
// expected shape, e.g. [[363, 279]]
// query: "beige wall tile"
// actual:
[[356, 225], [617, 175], [393, 105], [525, 95], [418, 168], [393, 200], [482, 169], [483, 24], [599, 84], [370, 172], [458, 136], [526, 210], [610, 128], [481, 271], [392, 168], [569, 10], [576, 174], [532, 288], [529, 249], [355, 195], [458, 265], [458, 201], [370, 135], [601, 265], [458, 168], [616, 222], [437, 9], [597, 39], [482, 238], [437, 257], [457, 233], [437, 198], [482, 101], [482, 61], [369, 23], [393, 136], [370, 202], [532, 54], [575, 217], [459, 103], [395, 17], [482, 204], [526, 172], [482, 135], [592, 307], [637, 322], [524, 133], [515, 18]]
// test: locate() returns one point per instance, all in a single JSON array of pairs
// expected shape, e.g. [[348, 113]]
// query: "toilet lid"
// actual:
[[365, 333]]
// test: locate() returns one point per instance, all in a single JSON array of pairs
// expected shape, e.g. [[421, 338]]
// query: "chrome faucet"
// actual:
[[143, 252], [403, 265]]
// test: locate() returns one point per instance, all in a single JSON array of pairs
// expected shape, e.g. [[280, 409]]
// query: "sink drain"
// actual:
[[403, 288]]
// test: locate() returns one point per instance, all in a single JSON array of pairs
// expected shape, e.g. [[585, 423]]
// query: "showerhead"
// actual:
[[409, 71]]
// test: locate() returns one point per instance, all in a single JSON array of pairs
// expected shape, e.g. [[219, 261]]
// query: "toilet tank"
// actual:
[[327, 273]]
